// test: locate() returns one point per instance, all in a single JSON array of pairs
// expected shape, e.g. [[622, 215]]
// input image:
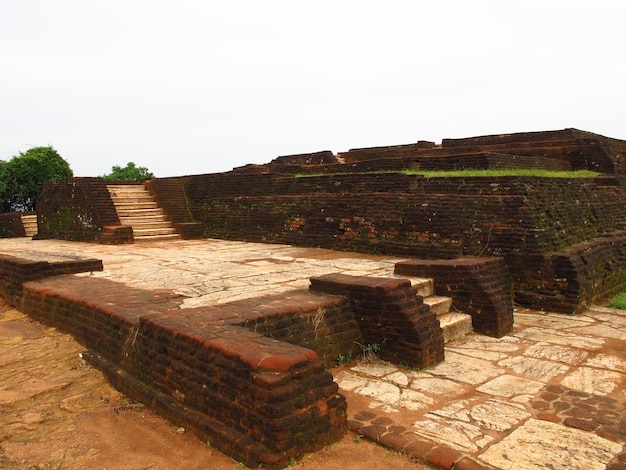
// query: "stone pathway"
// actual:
[[552, 394]]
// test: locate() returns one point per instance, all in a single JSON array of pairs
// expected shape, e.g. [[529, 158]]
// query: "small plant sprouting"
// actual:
[[357, 438], [341, 359], [370, 351], [292, 462], [241, 465]]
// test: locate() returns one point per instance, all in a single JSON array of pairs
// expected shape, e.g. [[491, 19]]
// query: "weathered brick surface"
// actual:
[[560, 239], [391, 314], [260, 400], [75, 209], [481, 287], [11, 225]]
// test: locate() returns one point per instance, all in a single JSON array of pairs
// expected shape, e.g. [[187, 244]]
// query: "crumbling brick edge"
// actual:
[[258, 399]]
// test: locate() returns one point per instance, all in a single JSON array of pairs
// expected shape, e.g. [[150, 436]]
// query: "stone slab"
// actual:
[[533, 445]]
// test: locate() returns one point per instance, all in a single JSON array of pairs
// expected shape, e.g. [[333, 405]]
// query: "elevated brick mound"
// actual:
[[245, 376], [560, 238]]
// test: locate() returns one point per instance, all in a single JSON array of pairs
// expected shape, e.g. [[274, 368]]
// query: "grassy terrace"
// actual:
[[479, 173]]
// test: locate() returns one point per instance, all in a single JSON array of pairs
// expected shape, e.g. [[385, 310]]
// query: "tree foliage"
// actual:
[[23, 177], [130, 172]]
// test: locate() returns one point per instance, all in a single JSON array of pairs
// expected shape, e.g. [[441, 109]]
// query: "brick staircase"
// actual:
[[29, 221], [453, 324], [137, 208]]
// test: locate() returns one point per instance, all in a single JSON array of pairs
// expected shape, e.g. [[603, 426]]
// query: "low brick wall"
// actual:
[[250, 377], [390, 314], [480, 287]]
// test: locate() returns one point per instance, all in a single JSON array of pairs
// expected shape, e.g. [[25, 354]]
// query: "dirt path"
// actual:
[[56, 412]]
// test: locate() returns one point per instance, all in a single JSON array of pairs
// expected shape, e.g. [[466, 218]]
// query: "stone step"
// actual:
[[153, 238], [132, 199], [29, 222], [137, 208], [455, 325], [136, 205], [141, 218], [439, 304], [126, 188], [158, 212], [151, 232], [146, 225], [425, 286]]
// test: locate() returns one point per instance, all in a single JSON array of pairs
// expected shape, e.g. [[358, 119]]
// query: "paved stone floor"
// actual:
[[552, 394]]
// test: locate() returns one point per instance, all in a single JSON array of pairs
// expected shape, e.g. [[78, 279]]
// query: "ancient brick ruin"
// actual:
[[548, 243]]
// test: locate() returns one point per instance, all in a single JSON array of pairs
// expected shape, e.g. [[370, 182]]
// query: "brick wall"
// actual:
[[481, 287], [77, 209], [11, 225], [391, 315]]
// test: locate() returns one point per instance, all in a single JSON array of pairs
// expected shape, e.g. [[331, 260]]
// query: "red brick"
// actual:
[[418, 448], [397, 440], [468, 464], [549, 417], [580, 424], [443, 457]]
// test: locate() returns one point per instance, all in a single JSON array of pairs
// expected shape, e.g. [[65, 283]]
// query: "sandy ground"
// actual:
[[56, 412]]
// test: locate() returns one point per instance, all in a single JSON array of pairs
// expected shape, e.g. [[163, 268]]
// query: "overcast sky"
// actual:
[[202, 86]]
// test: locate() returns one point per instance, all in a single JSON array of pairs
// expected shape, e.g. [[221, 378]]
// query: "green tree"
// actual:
[[130, 172], [23, 177]]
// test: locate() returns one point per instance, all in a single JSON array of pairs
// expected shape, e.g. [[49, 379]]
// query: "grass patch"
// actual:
[[535, 172], [619, 301], [505, 172]]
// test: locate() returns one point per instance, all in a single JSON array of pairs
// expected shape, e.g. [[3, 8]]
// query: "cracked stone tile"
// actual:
[[606, 331], [551, 320], [437, 386], [590, 380], [389, 397], [534, 368], [509, 386], [565, 339], [398, 378], [459, 435], [466, 369], [486, 343], [458, 410], [617, 321], [349, 382], [553, 352], [533, 445], [498, 415], [376, 369], [609, 362]]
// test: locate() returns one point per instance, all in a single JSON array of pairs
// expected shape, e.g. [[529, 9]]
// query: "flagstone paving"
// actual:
[[552, 394]]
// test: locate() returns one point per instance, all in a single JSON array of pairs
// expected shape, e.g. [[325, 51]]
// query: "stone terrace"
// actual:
[[553, 390]]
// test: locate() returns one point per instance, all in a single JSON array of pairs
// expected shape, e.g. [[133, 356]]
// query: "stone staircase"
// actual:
[[453, 324], [29, 221], [137, 208]]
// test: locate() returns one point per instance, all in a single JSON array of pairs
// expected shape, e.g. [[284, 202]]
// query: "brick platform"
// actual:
[[248, 376]]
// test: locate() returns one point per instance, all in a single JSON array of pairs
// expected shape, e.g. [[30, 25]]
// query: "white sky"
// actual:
[[201, 86]]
